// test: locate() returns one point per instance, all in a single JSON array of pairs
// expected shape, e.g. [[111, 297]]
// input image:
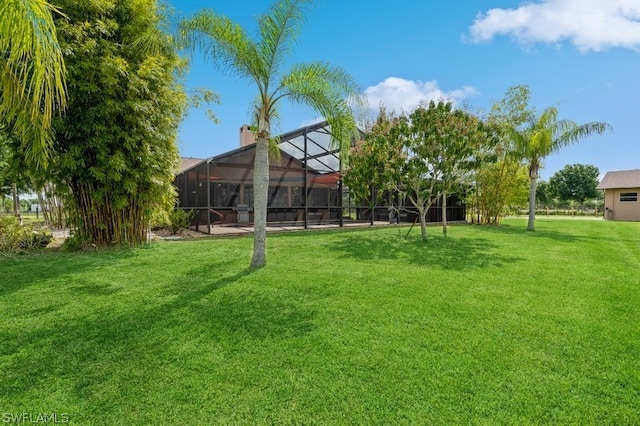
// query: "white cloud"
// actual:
[[588, 24], [312, 121], [402, 95]]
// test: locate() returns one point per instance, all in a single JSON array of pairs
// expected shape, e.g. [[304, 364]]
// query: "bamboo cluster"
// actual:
[[106, 220], [52, 206]]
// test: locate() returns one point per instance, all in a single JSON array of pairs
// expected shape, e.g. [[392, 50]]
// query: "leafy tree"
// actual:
[[577, 182], [497, 187], [115, 146], [409, 172], [538, 136], [14, 178], [367, 174], [5, 177], [458, 143], [325, 88], [15, 171], [422, 156], [31, 75], [544, 194]]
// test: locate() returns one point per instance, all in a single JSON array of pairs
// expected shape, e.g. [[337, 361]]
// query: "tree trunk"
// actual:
[[260, 193], [16, 202], [533, 181], [423, 223], [444, 214], [43, 207]]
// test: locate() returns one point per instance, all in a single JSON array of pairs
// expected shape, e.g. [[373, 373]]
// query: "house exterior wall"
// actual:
[[622, 207]]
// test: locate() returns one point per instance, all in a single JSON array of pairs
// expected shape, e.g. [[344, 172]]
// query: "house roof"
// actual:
[[310, 145], [621, 179], [187, 163]]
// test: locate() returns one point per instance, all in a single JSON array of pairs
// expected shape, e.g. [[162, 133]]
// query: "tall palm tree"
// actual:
[[544, 136], [32, 83], [325, 88]]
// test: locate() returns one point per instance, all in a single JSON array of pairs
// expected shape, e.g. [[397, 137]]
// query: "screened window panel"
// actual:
[[248, 195], [278, 196], [191, 188], [201, 188], [225, 195]]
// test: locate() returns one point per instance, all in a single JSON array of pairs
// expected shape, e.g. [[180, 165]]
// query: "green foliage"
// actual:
[[5, 155], [534, 136], [15, 238], [512, 111], [370, 160], [32, 76], [13, 166], [544, 195], [457, 144], [180, 219], [498, 189], [577, 182], [116, 146], [424, 155], [201, 97]]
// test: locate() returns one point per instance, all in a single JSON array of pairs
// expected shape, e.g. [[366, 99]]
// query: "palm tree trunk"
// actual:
[[260, 189], [533, 181]]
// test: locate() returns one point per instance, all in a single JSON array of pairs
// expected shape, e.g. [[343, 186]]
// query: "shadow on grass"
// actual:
[[564, 234], [250, 312], [103, 351], [518, 231], [19, 273], [96, 289], [198, 283], [448, 253]]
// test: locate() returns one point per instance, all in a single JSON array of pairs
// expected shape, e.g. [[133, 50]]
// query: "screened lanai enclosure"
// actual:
[[305, 186]]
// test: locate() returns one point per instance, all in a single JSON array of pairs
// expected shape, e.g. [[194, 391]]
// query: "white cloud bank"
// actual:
[[398, 94], [588, 24]]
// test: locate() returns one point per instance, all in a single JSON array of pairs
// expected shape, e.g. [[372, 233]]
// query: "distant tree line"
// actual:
[[571, 189]]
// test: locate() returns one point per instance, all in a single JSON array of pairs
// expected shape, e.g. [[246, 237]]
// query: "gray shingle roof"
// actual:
[[621, 179]]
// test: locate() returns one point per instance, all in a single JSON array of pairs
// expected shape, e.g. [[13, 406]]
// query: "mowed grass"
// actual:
[[492, 325]]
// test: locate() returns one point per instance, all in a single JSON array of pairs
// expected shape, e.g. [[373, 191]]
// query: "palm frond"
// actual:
[[32, 73], [330, 91], [576, 132], [279, 30], [156, 38], [223, 42]]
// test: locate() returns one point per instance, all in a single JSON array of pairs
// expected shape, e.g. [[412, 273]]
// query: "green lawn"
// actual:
[[492, 325]]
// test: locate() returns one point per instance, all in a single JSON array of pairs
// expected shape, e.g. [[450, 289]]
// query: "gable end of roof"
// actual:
[[621, 179]]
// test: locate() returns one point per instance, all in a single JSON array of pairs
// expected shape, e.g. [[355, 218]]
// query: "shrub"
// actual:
[[179, 220], [15, 237]]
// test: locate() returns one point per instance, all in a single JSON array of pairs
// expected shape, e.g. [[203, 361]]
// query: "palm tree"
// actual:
[[32, 83], [325, 88], [544, 136]]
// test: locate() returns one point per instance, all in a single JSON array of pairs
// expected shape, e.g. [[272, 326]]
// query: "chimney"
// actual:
[[246, 136]]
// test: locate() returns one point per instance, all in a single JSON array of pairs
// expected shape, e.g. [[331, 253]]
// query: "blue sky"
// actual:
[[582, 56]]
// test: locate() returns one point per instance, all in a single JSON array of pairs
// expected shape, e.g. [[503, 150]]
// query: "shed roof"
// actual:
[[621, 179]]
